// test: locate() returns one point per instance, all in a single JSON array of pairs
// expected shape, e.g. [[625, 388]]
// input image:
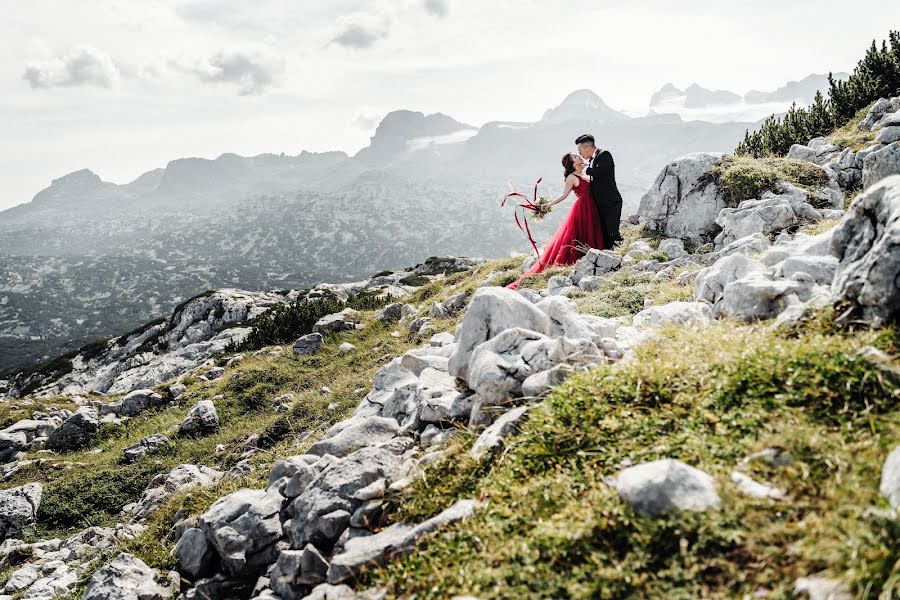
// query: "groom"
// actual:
[[606, 196]]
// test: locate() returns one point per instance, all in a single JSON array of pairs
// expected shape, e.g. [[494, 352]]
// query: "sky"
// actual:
[[122, 87]]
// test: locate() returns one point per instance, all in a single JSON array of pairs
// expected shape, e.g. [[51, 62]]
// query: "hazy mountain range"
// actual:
[[87, 259], [698, 102]]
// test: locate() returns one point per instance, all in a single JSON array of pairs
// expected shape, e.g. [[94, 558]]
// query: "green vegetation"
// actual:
[[743, 177], [623, 295], [876, 76], [553, 528], [286, 322]]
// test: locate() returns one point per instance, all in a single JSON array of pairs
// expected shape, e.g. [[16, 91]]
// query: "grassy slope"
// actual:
[[553, 528]]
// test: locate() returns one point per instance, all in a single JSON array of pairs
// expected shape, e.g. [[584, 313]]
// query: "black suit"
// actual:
[[606, 195]]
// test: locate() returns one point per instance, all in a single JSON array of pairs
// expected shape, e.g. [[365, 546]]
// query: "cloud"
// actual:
[[252, 70], [438, 8], [360, 30], [367, 118], [84, 65]]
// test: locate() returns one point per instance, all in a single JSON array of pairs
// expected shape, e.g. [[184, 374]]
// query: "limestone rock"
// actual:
[[866, 244], [666, 486], [145, 446], [243, 528], [201, 418], [890, 479], [709, 283], [673, 313], [822, 588], [309, 344], [507, 425], [754, 489], [498, 367], [492, 311], [594, 264], [76, 432], [881, 164], [18, 508], [127, 578], [165, 484], [398, 539], [334, 488], [340, 321], [683, 201], [195, 555], [357, 432]]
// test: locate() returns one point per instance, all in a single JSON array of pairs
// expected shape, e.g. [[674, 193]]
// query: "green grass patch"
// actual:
[[745, 178], [623, 295], [849, 135], [553, 528]]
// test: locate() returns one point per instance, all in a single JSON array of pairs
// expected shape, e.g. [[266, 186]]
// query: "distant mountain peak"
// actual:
[[582, 104], [80, 177], [399, 127]]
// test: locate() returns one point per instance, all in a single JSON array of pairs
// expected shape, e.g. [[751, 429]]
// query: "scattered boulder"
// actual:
[[18, 508], [492, 311], [758, 296], [684, 201], [355, 433], [709, 283], [243, 528], [333, 490], [398, 539], [666, 486], [498, 366], [768, 215], [127, 578], [147, 445], [309, 344], [507, 425], [394, 312], [134, 403], [76, 432], [340, 321], [195, 555], [881, 164], [296, 571], [540, 383], [754, 489], [822, 588], [449, 307], [165, 484], [820, 268], [201, 418], [890, 479], [672, 247], [866, 244], [673, 313]]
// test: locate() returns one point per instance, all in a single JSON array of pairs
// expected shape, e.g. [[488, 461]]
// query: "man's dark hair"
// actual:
[[585, 139]]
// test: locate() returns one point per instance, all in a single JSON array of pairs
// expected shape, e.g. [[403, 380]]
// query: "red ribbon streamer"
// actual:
[[531, 205]]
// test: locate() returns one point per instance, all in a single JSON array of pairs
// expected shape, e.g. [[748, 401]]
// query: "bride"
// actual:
[[581, 227]]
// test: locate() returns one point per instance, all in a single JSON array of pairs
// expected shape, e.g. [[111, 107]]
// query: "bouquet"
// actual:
[[538, 207], [543, 208]]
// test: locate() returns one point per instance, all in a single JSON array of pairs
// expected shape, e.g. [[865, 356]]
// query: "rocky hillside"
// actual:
[[708, 410]]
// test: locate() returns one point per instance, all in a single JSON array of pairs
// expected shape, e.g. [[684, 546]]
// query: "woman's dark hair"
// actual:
[[568, 163]]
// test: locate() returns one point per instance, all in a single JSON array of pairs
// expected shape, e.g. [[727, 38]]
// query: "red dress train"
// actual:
[[582, 226]]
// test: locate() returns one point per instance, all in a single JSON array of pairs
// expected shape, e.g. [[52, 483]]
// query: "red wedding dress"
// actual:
[[582, 226]]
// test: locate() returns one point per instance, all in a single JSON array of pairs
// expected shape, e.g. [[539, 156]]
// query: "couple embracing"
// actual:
[[594, 219]]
